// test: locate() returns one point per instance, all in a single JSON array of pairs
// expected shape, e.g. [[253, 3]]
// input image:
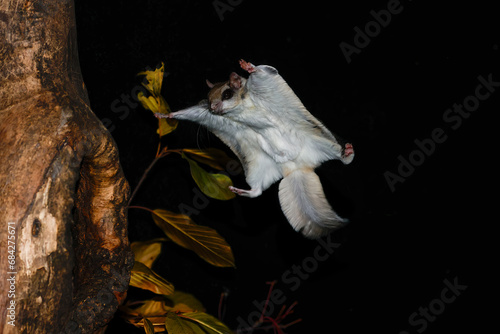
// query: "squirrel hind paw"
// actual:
[[247, 193], [348, 150], [249, 67], [347, 154]]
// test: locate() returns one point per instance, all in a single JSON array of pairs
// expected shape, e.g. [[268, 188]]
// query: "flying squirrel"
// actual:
[[274, 136]]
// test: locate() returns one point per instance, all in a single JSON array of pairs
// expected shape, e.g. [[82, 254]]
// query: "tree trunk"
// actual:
[[65, 259]]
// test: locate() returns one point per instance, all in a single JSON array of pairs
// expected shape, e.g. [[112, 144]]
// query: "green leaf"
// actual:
[[212, 185], [202, 240], [148, 327], [177, 325], [213, 157], [209, 323], [144, 278]]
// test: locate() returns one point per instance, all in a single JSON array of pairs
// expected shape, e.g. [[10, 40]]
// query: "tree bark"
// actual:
[[65, 259]]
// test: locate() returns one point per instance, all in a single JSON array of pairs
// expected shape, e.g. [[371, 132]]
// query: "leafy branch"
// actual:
[[172, 310]]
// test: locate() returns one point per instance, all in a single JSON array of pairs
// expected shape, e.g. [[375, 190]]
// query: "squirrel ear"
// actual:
[[209, 84], [235, 81]]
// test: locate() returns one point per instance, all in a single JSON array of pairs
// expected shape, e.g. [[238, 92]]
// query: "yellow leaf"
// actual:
[[154, 80], [147, 103], [178, 325], [212, 185], [209, 323], [164, 108], [137, 319], [148, 327], [145, 278], [157, 306], [146, 252], [185, 302], [156, 103], [213, 157], [160, 305], [202, 240], [166, 126]]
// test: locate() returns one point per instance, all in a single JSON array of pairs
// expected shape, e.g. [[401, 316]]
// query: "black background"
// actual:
[[400, 245]]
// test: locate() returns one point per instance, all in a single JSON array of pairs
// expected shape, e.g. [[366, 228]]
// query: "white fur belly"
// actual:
[[262, 170]]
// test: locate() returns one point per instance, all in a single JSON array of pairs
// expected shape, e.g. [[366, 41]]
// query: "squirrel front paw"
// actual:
[[160, 115]]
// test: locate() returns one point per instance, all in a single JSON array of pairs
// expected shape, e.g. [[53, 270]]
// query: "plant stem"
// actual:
[[144, 177], [159, 155], [221, 309], [159, 146], [140, 207]]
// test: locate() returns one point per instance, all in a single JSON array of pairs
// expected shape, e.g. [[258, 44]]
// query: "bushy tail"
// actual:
[[304, 204]]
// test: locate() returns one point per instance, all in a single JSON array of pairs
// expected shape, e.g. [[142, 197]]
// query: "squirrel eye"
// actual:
[[227, 94]]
